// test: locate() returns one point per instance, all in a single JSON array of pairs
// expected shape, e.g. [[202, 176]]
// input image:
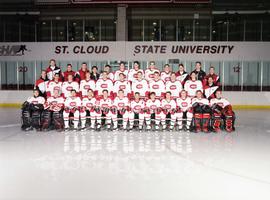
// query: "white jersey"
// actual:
[[36, 100], [168, 104], [153, 105], [192, 86], [110, 76], [174, 87], [73, 102], [117, 72], [68, 86], [137, 106], [202, 101], [222, 102], [89, 103], [184, 104], [55, 103], [105, 103], [149, 74], [157, 86], [104, 84], [165, 76], [52, 85], [140, 86], [121, 103], [132, 74], [122, 85], [86, 85]]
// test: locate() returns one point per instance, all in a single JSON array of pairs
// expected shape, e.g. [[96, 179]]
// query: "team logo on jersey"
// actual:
[[34, 102], [69, 88], [151, 75], [72, 104], [221, 104], [137, 107], [153, 107], [193, 86], [139, 86], [104, 85], [104, 105], [121, 104], [122, 87], [167, 106], [56, 88], [155, 86], [184, 104], [54, 103], [173, 87], [167, 79], [86, 87], [89, 104], [135, 75]]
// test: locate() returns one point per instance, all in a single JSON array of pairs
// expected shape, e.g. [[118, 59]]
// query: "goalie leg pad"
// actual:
[[198, 121], [58, 120], [45, 119], [26, 119], [205, 121], [35, 120]]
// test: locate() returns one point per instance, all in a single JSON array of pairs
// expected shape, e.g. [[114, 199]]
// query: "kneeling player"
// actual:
[[89, 103], [153, 111], [184, 110], [222, 109], [202, 112], [120, 108], [105, 106], [168, 106], [31, 112], [72, 106], [137, 111]]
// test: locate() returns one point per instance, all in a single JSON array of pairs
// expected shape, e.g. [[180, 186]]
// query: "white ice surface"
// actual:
[[156, 166]]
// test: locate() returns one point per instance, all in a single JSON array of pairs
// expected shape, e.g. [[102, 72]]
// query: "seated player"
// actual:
[[132, 74], [31, 112], [104, 83], [149, 73], [168, 106], [157, 86], [69, 85], [105, 109], [87, 84], [122, 70], [53, 111], [165, 75], [193, 85], [182, 75], [184, 111], [122, 84], [222, 109], [120, 107], [141, 86], [174, 86], [55, 84], [137, 111], [202, 112], [153, 111], [89, 103], [72, 107]]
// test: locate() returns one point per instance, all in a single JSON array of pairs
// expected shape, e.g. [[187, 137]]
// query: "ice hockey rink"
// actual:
[[133, 165]]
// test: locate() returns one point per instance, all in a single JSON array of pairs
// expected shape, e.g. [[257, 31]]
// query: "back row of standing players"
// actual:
[[135, 93]]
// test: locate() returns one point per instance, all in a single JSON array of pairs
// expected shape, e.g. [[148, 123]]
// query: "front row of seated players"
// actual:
[[183, 113]]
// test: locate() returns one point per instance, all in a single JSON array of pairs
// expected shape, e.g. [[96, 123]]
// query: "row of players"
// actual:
[[197, 113]]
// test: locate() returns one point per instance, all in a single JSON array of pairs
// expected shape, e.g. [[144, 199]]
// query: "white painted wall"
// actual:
[[236, 98]]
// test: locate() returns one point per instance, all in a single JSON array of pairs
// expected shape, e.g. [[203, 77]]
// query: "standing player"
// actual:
[[52, 69], [149, 73], [184, 110], [165, 75], [72, 106], [153, 111], [222, 109], [182, 75], [68, 72], [120, 107], [41, 84], [82, 72], [193, 85], [137, 111], [141, 86], [168, 106], [202, 112], [174, 86], [107, 69], [210, 88], [214, 76], [69, 85], [200, 74], [104, 84], [132, 74], [122, 69], [86, 85], [157, 86], [54, 84], [105, 109], [122, 84]]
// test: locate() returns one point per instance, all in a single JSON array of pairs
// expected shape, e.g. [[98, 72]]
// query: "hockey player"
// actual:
[[174, 86], [210, 88], [122, 69], [200, 74], [152, 111], [157, 86], [55, 84], [80, 75], [165, 75], [31, 112], [72, 106], [182, 75], [222, 109], [141, 86], [132, 74], [52, 69], [87, 84], [137, 111], [184, 111], [149, 73], [107, 69], [53, 111], [41, 84], [193, 85], [202, 112], [68, 72], [122, 84], [214, 76], [168, 106], [120, 107], [69, 85], [89, 103], [104, 84], [105, 109]]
